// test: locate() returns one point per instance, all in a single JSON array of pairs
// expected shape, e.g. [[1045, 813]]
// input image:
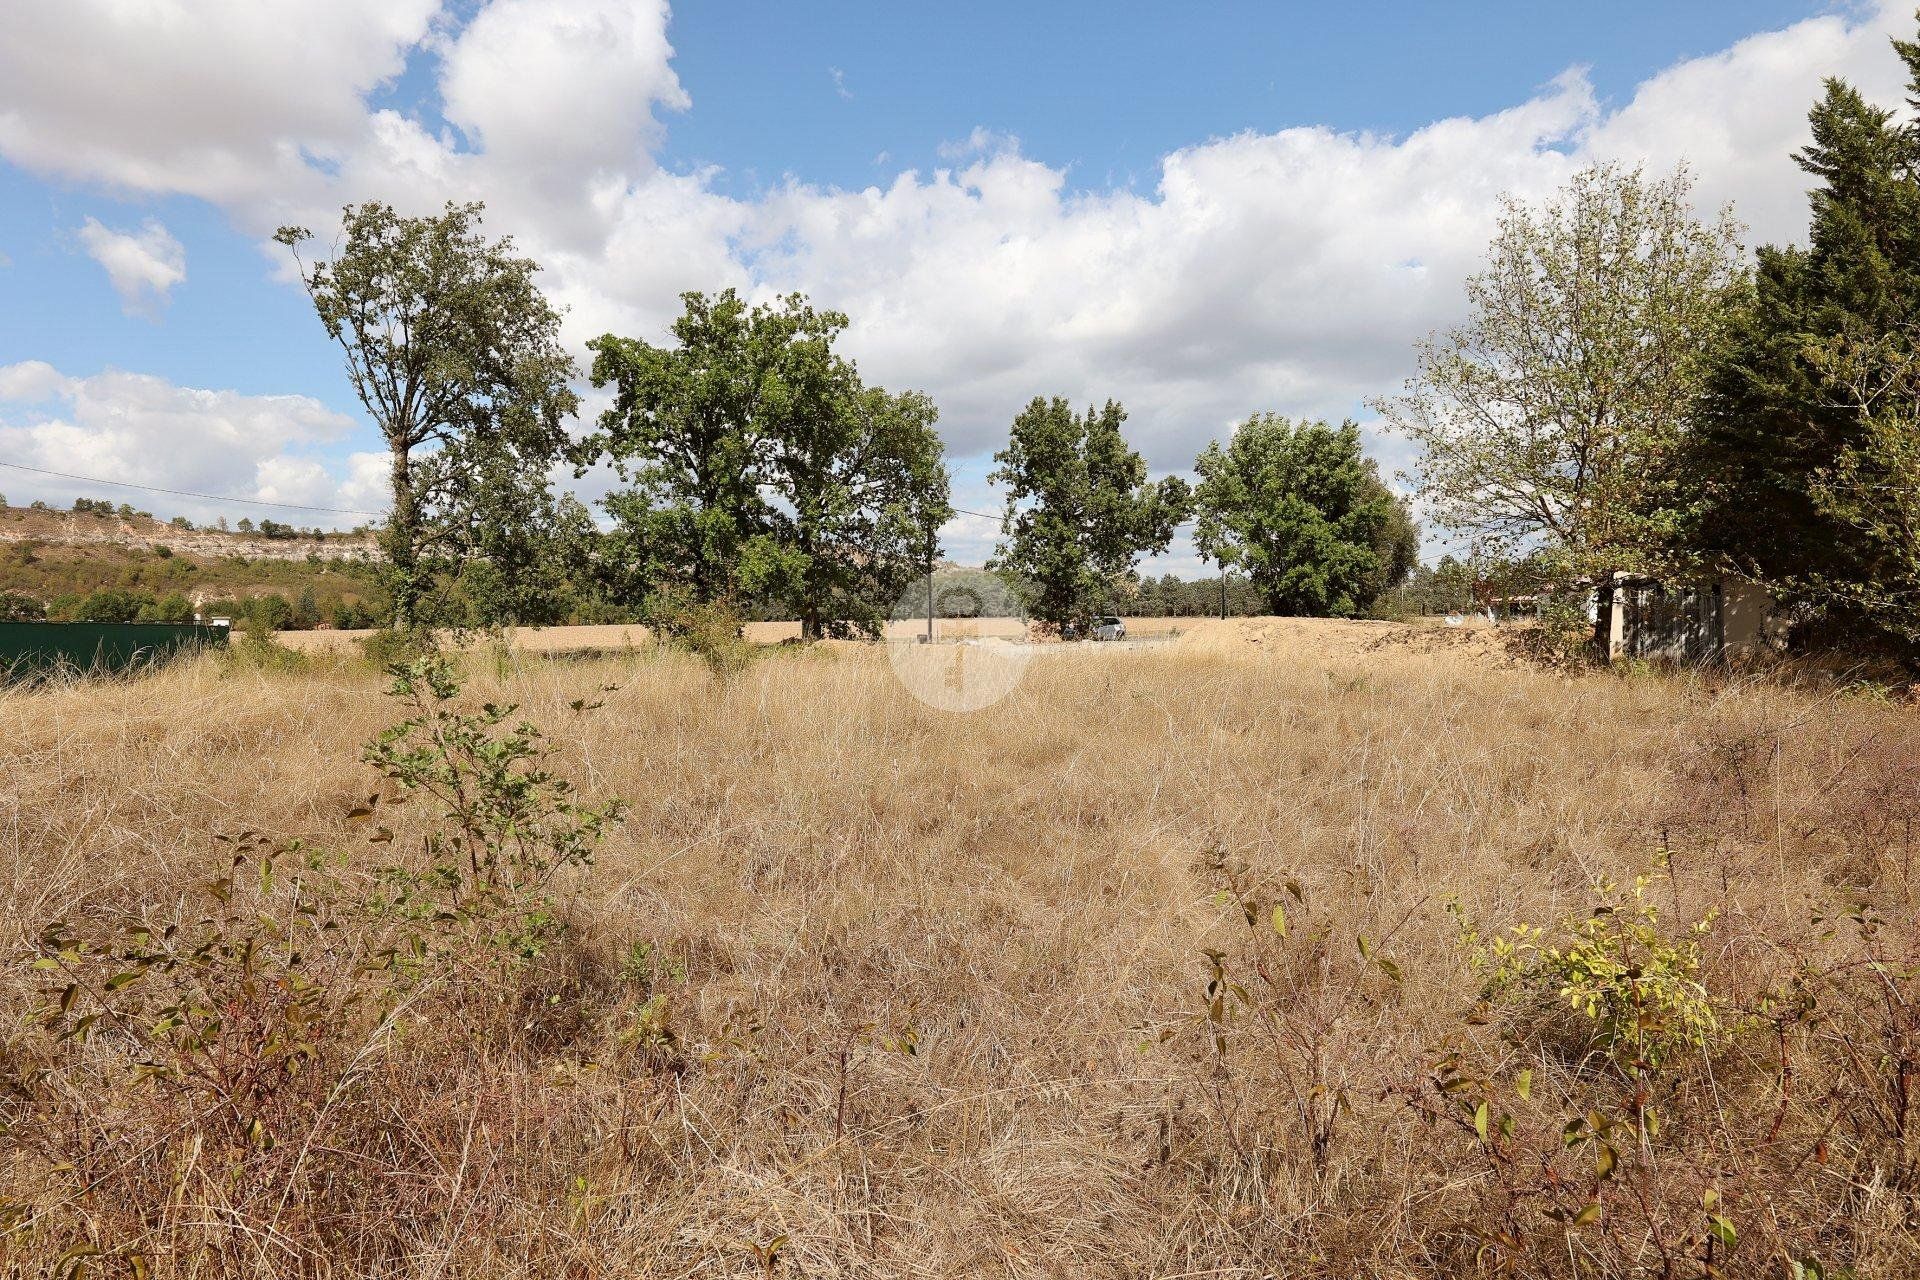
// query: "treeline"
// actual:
[[271, 529], [758, 472], [271, 610], [1632, 395], [968, 593], [1172, 597]]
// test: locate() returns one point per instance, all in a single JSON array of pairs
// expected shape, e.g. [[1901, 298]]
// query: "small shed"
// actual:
[[1691, 622]]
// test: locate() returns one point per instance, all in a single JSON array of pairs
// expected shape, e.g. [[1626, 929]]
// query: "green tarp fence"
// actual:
[[30, 650]]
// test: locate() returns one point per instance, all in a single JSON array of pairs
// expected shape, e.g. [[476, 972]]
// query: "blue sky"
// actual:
[[1204, 209], [1109, 88]]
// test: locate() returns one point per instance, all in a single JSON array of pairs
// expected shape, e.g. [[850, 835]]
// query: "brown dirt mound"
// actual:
[[1335, 639]]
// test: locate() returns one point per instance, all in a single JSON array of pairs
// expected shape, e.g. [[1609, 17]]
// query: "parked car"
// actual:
[[1109, 629]]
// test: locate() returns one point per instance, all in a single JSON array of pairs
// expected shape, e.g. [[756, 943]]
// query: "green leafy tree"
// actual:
[[524, 552], [268, 613], [688, 432], [1552, 418], [759, 465], [111, 606], [172, 607], [447, 340], [1301, 510], [1396, 550], [1080, 509], [866, 488], [1803, 443]]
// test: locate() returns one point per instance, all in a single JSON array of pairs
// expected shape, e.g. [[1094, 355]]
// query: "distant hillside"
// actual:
[[60, 558], [143, 532]]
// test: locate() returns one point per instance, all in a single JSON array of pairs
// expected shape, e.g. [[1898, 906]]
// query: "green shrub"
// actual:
[[506, 823], [272, 612], [172, 607], [1563, 635], [387, 648], [257, 650], [1637, 987], [710, 630], [111, 606]]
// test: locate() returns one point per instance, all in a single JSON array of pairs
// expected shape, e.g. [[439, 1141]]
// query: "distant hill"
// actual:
[[142, 531], [58, 558]]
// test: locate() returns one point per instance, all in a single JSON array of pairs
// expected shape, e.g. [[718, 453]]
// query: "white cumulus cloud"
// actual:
[[143, 266], [142, 430]]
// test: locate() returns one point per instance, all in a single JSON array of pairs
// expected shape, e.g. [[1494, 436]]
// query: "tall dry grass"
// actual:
[[864, 988]]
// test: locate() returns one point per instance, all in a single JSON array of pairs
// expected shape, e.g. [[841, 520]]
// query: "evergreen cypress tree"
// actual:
[[1774, 423]]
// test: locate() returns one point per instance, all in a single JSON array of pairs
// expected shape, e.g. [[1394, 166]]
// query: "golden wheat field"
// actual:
[[1194, 959]]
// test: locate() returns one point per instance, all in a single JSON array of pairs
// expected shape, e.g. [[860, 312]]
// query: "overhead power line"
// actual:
[[188, 493]]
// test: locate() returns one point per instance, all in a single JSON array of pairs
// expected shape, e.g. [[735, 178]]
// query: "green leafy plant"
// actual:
[[1571, 1167], [1638, 987], [710, 630], [506, 824], [229, 1011], [257, 650], [1276, 1007], [387, 648], [1563, 636]]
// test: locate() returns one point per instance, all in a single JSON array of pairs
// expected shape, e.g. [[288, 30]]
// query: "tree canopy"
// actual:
[[1552, 418], [1080, 510], [1303, 512], [1809, 430], [758, 464], [451, 348], [864, 492]]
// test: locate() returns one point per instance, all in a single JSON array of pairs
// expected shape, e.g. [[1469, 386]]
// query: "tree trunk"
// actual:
[[811, 624], [403, 544]]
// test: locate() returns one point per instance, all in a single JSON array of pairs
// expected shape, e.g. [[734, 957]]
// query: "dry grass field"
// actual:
[[1177, 962], [618, 637]]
